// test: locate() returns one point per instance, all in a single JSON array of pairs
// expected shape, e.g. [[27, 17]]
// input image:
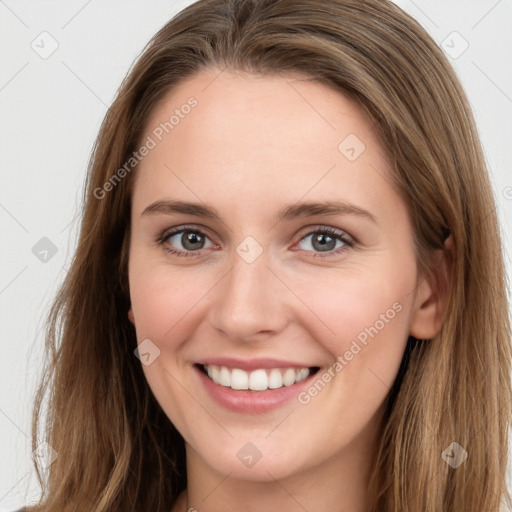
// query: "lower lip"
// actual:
[[252, 402]]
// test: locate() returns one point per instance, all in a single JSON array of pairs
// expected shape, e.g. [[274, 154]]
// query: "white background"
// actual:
[[51, 110]]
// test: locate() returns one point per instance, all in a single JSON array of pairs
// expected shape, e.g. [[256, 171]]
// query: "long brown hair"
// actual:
[[117, 450]]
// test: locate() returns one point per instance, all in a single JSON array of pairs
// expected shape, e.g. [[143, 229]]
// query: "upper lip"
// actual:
[[252, 364]]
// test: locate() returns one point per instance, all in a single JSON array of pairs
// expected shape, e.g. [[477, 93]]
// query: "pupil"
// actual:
[[189, 239], [324, 245]]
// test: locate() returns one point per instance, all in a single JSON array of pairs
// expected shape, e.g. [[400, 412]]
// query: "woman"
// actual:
[[288, 291]]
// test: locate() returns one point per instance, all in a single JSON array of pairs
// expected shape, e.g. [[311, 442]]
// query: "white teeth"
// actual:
[[289, 377], [239, 379], [224, 377], [303, 373], [275, 379], [257, 380]]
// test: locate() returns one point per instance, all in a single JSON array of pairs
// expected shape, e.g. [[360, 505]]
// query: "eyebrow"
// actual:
[[287, 212]]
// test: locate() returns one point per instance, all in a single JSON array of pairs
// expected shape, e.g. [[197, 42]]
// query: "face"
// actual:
[[298, 254]]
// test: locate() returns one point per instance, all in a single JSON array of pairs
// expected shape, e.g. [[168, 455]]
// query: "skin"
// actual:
[[250, 146]]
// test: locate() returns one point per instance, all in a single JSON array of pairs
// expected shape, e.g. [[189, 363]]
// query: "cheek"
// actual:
[[166, 306], [361, 318], [370, 327], [163, 301], [346, 306]]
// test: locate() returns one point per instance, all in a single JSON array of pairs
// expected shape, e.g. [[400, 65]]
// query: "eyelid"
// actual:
[[308, 230], [185, 227]]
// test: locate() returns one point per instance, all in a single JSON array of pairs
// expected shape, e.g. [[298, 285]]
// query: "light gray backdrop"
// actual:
[[60, 65]]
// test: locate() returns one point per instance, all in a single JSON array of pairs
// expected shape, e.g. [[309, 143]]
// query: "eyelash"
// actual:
[[161, 240]]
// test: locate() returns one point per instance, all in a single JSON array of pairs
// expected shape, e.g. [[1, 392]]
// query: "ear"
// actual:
[[432, 294], [130, 316]]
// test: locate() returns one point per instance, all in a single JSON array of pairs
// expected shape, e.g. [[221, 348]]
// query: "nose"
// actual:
[[250, 303]]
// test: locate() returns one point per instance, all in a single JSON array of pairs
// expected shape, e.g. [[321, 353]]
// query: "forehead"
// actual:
[[261, 109], [259, 137]]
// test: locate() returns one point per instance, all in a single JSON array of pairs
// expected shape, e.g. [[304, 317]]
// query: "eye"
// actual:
[[326, 240], [191, 240]]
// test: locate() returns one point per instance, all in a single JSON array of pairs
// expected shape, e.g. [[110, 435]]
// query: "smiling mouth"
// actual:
[[261, 379]]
